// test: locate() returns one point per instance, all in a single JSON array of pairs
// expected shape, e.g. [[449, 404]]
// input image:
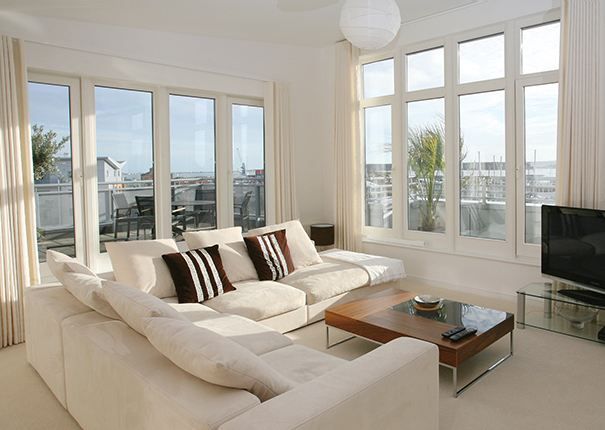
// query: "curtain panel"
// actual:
[[280, 144], [581, 135], [18, 250], [347, 149]]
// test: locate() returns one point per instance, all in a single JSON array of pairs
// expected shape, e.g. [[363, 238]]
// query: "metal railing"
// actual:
[[55, 211]]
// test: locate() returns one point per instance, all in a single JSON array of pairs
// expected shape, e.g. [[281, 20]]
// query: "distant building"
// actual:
[[108, 170]]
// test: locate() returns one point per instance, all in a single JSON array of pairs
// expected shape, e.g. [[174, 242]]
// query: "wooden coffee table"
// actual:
[[390, 314]]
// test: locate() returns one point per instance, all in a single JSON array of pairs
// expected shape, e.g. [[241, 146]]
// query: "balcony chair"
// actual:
[[123, 212], [241, 213], [146, 218], [206, 212]]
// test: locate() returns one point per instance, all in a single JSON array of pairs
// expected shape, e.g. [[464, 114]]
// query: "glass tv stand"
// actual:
[[548, 318]]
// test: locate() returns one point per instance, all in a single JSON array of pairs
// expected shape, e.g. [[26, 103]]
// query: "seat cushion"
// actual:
[[253, 336], [192, 311], [326, 280], [258, 300], [214, 358], [301, 364]]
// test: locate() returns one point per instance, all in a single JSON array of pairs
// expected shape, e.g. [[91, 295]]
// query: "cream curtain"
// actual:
[[18, 249], [347, 149], [581, 151], [280, 147]]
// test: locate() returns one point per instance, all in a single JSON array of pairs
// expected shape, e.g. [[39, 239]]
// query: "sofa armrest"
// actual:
[[396, 386]]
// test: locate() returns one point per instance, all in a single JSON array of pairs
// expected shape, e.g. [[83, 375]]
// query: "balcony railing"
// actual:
[[55, 212]]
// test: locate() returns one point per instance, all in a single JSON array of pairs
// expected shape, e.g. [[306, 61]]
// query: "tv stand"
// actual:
[[546, 318], [587, 296]]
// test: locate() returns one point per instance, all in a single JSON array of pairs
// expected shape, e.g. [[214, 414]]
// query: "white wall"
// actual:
[[192, 62]]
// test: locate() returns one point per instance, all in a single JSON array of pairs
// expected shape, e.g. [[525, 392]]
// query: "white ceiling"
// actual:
[[311, 23]]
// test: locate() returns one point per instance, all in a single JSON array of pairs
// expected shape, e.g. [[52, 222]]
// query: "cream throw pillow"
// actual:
[[60, 264], [140, 264], [236, 262], [132, 305], [302, 249], [214, 358], [89, 290]]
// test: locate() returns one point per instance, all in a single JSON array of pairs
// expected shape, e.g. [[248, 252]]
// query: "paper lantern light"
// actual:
[[370, 24]]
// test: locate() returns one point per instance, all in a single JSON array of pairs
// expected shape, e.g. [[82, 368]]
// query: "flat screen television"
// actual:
[[573, 247]]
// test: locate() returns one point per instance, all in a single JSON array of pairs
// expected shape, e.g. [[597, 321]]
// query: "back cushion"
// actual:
[[140, 265], [236, 262], [301, 246], [132, 305], [60, 264]]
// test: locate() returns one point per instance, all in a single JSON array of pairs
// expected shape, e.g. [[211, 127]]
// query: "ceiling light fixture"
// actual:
[[370, 24]]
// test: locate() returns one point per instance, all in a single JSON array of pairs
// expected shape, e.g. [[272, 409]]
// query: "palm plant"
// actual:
[[426, 158]]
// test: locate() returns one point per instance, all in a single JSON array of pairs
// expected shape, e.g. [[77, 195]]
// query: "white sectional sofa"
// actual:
[[121, 352]]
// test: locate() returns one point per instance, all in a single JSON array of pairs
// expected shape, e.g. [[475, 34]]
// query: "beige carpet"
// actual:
[[551, 382]]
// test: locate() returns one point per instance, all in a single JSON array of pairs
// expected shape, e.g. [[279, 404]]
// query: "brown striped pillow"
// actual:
[[270, 255], [198, 274]]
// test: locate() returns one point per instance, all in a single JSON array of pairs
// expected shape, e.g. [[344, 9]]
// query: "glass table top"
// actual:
[[457, 314]]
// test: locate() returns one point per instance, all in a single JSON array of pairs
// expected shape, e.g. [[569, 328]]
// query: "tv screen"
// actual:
[[573, 246]]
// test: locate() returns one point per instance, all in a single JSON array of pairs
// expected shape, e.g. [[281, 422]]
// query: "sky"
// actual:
[[124, 127]]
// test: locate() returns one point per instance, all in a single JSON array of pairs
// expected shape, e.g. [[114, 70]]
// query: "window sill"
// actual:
[[420, 245]]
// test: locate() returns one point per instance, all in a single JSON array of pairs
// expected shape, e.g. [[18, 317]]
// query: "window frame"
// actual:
[[77, 164], [513, 82], [84, 156]]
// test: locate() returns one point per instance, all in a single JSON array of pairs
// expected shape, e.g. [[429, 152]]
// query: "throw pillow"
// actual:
[[60, 264], [198, 274], [133, 304], [140, 265], [214, 358], [89, 290], [270, 255], [234, 255], [301, 246]]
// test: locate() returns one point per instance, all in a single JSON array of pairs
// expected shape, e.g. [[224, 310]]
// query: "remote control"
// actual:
[[453, 331], [463, 333]]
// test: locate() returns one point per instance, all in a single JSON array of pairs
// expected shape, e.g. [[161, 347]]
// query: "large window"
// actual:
[[51, 145], [478, 121], [192, 162], [124, 136], [133, 162], [248, 166]]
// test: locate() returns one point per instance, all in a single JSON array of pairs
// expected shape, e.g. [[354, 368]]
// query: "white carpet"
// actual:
[[551, 382]]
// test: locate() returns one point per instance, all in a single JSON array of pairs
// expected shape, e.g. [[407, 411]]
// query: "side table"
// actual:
[[547, 319]]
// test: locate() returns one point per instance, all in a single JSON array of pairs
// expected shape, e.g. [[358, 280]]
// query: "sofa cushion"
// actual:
[[301, 364], [214, 358], [270, 255], [234, 254], [253, 336], [59, 264], [326, 280], [133, 304], [198, 274], [192, 311], [89, 290], [140, 265], [302, 249], [258, 300]]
